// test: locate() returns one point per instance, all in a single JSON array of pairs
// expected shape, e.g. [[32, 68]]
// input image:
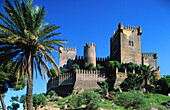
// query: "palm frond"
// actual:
[[12, 12], [39, 17], [48, 29], [27, 17]]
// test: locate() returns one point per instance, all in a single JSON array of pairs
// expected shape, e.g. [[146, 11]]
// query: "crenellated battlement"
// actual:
[[82, 71], [67, 49], [90, 45], [79, 58], [149, 54], [131, 28], [102, 59]]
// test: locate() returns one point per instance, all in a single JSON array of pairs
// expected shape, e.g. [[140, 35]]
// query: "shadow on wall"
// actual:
[[69, 63]]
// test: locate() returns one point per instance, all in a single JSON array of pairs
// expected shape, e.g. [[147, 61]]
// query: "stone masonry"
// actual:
[[125, 47]]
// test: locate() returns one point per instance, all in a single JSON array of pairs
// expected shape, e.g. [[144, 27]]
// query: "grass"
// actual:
[[155, 100], [107, 106]]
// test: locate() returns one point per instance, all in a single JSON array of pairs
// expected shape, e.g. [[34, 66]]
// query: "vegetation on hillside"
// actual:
[[94, 98]]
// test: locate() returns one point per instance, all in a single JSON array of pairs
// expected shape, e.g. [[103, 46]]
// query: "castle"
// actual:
[[125, 47]]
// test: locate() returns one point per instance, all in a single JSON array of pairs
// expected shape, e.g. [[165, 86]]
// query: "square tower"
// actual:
[[125, 44], [67, 57]]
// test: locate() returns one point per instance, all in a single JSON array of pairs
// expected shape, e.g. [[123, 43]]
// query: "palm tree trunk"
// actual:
[[29, 99], [2, 102], [29, 94]]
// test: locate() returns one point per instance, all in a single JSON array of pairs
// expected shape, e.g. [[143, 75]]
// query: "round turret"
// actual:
[[90, 53]]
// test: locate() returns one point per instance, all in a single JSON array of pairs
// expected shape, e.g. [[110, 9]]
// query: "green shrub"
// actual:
[[64, 70], [99, 67], [39, 100], [73, 68], [163, 85], [89, 98], [130, 99], [105, 87], [132, 82], [110, 72], [52, 93]]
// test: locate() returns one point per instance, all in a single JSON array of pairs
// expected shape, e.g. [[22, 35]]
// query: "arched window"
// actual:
[[131, 43]]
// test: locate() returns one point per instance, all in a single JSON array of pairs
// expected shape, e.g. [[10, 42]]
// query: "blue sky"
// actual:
[[84, 21]]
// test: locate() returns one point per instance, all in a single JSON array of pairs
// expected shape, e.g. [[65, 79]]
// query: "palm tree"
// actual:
[[25, 39], [148, 74]]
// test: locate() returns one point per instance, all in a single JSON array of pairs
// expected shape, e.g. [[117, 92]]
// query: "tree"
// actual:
[[148, 75], [53, 73], [39, 100], [99, 67], [89, 66], [86, 66], [110, 71], [132, 82], [14, 99], [24, 38], [23, 100], [163, 85], [8, 79], [74, 67], [130, 66], [64, 70], [15, 106], [9, 108]]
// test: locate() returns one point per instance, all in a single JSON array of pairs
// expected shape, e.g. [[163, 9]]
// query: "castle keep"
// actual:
[[125, 47]]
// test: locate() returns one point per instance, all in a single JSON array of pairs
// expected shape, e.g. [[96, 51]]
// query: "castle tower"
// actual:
[[67, 56], [150, 59], [90, 53], [125, 44]]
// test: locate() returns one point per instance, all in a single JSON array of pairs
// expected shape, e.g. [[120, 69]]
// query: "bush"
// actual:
[[105, 87], [64, 70], [89, 98], [130, 99], [74, 67], [52, 93], [132, 82], [163, 85], [39, 100]]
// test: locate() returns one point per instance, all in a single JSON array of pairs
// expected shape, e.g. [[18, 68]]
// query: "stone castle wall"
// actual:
[[115, 47], [89, 79], [126, 44], [150, 59], [84, 79], [67, 56], [131, 45], [61, 80], [90, 53]]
